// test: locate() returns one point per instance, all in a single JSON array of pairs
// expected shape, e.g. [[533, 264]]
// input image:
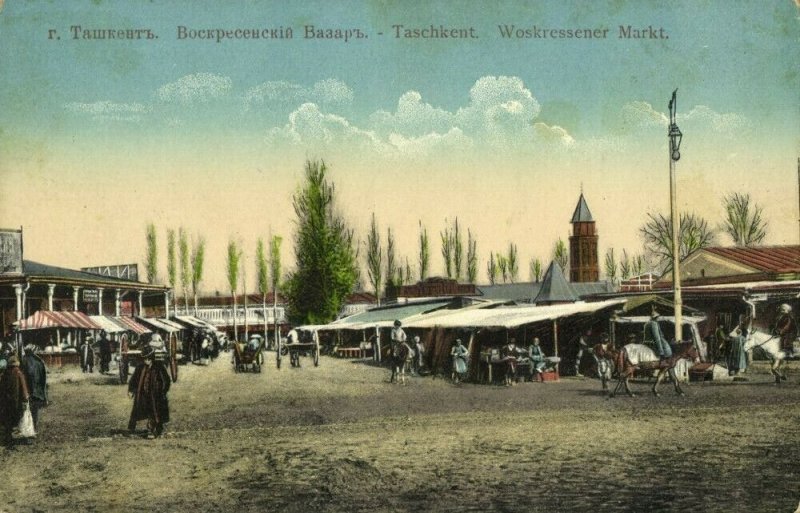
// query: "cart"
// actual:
[[307, 346], [244, 358], [128, 356]]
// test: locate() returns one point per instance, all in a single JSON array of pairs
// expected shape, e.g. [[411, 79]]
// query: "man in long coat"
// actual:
[[652, 328], [13, 398], [36, 374], [105, 352], [148, 388], [786, 328]]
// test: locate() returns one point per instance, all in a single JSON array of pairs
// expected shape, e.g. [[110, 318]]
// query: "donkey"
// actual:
[[635, 357]]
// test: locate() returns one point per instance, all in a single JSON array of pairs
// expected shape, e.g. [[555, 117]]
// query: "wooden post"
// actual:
[[555, 342]]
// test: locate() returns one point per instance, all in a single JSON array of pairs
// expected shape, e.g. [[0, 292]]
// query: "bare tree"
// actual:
[[275, 273], [693, 234], [233, 279], [744, 223], [262, 273]]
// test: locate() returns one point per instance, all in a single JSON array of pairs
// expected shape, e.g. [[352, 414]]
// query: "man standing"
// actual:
[[13, 399], [148, 388], [583, 345], [105, 352], [663, 350], [786, 329], [87, 355], [537, 356], [36, 373]]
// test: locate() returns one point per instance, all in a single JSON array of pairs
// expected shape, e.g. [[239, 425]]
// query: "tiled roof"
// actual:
[[776, 259]]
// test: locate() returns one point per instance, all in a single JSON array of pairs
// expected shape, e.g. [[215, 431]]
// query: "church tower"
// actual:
[[583, 263]]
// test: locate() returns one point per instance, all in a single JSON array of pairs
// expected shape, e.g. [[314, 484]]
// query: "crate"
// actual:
[[547, 376]]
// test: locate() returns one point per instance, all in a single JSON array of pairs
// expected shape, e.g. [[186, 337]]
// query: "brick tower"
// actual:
[[583, 264]]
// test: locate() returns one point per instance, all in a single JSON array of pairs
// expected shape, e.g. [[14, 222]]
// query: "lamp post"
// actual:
[[674, 135]]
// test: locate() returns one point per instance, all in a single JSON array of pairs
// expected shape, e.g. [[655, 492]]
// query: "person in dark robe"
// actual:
[[508, 355], [87, 355], [13, 399], [737, 358], [148, 388], [36, 374], [105, 352]]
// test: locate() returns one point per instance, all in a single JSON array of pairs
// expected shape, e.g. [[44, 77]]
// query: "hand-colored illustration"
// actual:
[[467, 226]]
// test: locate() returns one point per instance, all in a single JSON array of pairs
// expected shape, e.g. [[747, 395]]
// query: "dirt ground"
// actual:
[[339, 437]]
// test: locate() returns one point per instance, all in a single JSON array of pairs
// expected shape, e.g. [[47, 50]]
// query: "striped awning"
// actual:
[[44, 319], [157, 324], [107, 323], [132, 325], [177, 326]]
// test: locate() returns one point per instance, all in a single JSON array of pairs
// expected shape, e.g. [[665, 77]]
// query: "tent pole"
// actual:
[[555, 341]]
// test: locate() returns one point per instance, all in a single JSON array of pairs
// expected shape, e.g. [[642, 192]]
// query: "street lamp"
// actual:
[[675, 136]]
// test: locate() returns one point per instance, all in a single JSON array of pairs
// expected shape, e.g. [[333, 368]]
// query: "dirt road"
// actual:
[[340, 438]]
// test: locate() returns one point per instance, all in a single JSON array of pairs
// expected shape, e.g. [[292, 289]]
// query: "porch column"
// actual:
[[166, 303], [117, 302], [75, 297], [51, 288], [141, 309], [99, 301], [18, 293]]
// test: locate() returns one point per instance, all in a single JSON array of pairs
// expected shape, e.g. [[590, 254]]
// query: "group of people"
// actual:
[[406, 357], [23, 388], [87, 353], [532, 358]]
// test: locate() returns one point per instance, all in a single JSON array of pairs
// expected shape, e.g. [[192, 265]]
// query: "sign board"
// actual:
[[124, 271], [10, 251], [91, 296]]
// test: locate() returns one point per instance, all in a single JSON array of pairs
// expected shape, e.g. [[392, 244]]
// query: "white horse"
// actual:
[[771, 345]]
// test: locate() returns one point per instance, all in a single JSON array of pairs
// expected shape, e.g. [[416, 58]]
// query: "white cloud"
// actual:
[[328, 91], [723, 123], [430, 144], [315, 130], [553, 133], [199, 87], [639, 113], [107, 110]]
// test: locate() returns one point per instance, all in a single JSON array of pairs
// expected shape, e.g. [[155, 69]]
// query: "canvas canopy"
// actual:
[[159, 324], [44, 319], [507, 317], [191, 321], [132, 325], [383, 317], [177, 326], [107, 323]]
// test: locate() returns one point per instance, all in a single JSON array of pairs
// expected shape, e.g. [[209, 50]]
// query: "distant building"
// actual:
[[641, 283], [431, 287], [583, 260]]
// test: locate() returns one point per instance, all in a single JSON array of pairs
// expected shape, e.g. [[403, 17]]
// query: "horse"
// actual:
[[635, 357], [771, 345]]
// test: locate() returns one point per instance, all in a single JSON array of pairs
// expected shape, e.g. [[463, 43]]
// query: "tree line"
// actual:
[[327, 254]]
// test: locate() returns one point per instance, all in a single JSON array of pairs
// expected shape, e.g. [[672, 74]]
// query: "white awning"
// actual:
[[107, 324]]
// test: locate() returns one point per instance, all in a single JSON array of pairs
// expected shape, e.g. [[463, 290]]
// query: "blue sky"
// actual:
[[499, 132]]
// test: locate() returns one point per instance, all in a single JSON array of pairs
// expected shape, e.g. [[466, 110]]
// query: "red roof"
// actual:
[[775, 259], [44, 319]]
